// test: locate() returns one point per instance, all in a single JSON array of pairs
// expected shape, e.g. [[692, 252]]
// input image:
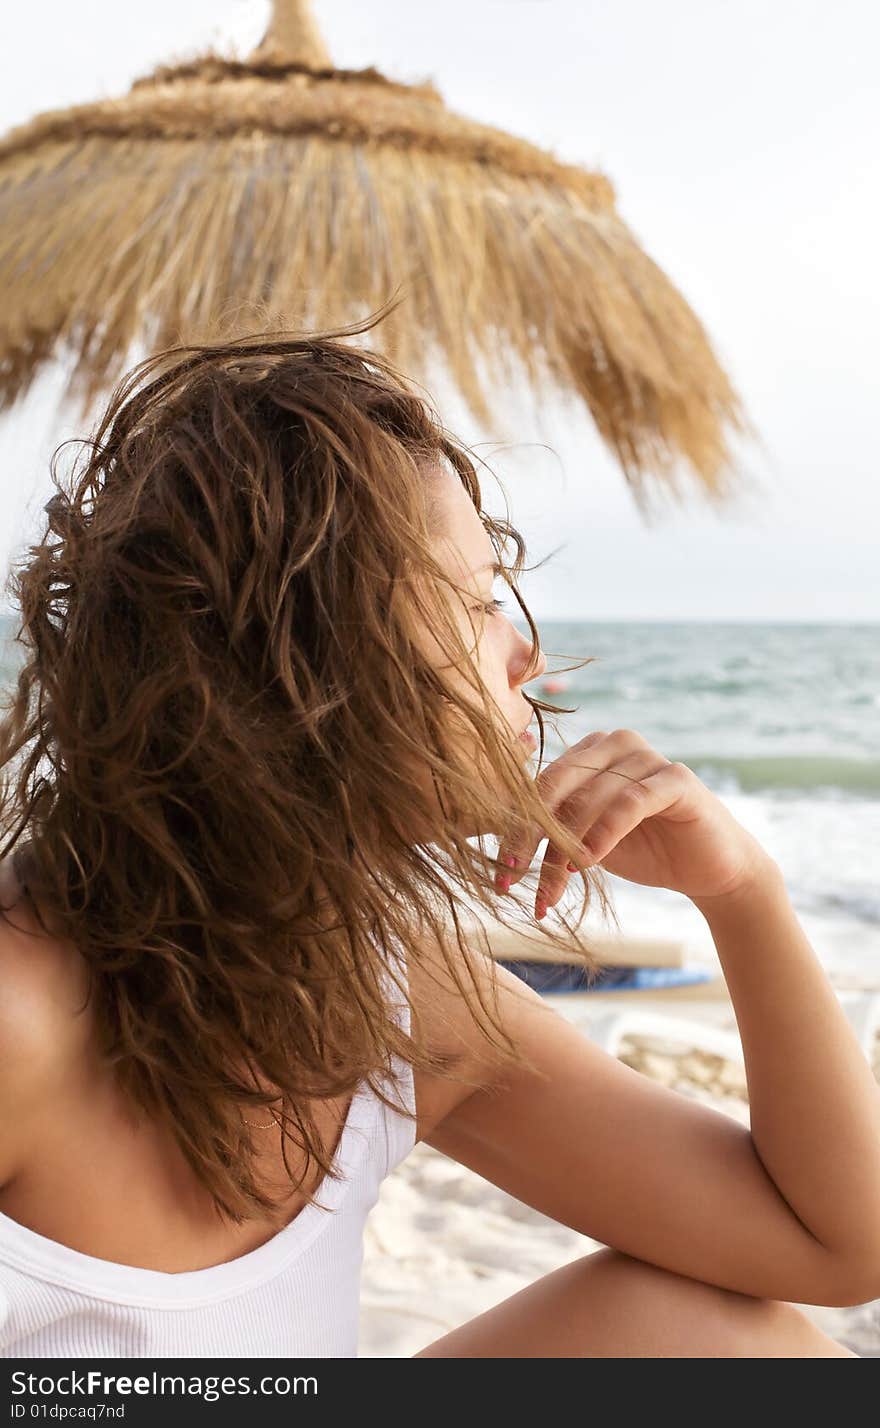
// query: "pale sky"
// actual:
[[741, 140]]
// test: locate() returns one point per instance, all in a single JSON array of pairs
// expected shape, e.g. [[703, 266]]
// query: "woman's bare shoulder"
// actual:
[[40, 982]]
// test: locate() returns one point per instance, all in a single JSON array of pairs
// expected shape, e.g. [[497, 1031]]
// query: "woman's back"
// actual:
[[108, 1242]]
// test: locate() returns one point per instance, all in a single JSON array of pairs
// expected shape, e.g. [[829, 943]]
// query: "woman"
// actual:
[[269, 709]]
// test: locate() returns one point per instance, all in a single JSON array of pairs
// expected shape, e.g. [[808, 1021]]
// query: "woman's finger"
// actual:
[[518, 847], [630, 807], [582, 813]]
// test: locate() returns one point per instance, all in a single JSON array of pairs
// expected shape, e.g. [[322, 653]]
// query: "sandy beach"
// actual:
[[442, 1244]]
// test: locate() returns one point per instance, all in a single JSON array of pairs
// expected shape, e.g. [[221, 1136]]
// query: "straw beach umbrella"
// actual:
[[278, 184]]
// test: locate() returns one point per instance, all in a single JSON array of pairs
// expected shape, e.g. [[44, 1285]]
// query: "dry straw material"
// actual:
[[279, 185]]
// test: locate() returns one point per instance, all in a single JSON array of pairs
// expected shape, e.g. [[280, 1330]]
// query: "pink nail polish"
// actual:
[[510, 862], [502, 883]]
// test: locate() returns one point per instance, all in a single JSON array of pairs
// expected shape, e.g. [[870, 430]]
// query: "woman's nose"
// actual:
[[523, 671]]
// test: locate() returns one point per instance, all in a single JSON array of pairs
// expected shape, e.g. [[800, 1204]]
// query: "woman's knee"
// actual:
[[609, 1305], [672, 1310]]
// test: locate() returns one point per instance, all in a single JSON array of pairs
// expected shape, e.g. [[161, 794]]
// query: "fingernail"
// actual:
[[502, 882], [510, 862], [572, 867]]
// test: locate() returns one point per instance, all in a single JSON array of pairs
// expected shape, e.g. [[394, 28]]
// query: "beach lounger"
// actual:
[[610, 949], [624, 963]]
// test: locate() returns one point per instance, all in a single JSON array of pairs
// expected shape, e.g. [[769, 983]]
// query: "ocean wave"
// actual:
[[780, 772]]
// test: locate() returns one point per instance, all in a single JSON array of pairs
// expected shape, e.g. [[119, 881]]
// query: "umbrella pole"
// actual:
[[293, 37]]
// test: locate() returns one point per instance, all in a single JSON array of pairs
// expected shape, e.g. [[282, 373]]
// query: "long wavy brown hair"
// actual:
[[208, 757]]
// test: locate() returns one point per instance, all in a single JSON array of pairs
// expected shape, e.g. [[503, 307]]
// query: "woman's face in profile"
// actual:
[[499, 651]]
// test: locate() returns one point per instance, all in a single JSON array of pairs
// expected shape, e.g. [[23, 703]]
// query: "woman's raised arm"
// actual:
[[815, 1104]]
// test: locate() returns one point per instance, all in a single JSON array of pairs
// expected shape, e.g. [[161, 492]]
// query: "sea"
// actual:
[[780, 721]]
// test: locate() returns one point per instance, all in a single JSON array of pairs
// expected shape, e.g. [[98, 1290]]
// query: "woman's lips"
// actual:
[[527, 737]]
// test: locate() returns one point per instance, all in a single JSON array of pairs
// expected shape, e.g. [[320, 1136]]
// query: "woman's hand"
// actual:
[[639, 815]]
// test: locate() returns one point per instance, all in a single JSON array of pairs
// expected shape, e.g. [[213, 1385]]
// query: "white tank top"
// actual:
[[296, 1295]]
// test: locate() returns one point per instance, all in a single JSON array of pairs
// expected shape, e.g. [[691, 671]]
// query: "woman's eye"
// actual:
[[492, 606]]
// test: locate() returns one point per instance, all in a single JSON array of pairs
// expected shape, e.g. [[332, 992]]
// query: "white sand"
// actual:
[[442, 1244]]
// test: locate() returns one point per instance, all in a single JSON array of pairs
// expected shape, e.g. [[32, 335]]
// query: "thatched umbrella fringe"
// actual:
[[506, 204], [142, 237]]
